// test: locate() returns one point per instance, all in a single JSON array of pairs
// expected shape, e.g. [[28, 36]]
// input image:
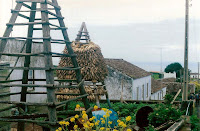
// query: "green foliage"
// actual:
[[173, 67], [168, 99], [163, 113], [195, 122]]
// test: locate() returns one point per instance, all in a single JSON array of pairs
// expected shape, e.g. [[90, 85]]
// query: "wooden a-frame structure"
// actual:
[[46, 8], [83, 34]]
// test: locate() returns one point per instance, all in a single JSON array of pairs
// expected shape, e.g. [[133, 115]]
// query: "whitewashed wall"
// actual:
[[15, 47], [138, 91], [169, 75], [114, 82], [159, 95]]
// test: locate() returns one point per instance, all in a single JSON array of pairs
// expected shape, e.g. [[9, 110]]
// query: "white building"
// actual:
[[127, 81], [194, 75]]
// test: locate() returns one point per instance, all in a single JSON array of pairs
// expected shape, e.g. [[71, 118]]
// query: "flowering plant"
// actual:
[[93, 123]]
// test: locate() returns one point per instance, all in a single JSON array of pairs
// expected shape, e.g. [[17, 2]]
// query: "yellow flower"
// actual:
[[85, 125], [115, 130], [121, 123], [128, 130], [110, 122], [83, 112], [96, 123], [78, 106], [102, 128], [124, 125], [104, 116], [91, 124], [107, 129], [103, 122], [91, 119], [84, 116], [72, 119], [107, 114], [118, 121], [110, 112], [76, 116], [60, 129], [128, 118], [104, 109], [88, 122], [75, 126], [67, 123], [62, 122], [83, 120], [96, 107], [101, 118]]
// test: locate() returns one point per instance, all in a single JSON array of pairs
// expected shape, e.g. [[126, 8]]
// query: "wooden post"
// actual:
[[27, 62], [48, 64], [185, 78], [96, 94], [9, 28], [74, 61]]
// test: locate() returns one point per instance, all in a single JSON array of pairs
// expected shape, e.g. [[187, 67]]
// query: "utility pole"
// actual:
[[198, 72], [185, 78]]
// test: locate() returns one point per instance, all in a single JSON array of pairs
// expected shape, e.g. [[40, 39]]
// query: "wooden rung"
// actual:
[[25, 5], [49, 19], [51, 28], [83, 31], [67, 101], [7, 108], [38, 86], [83, 39], [54, 5], [8, 81], [9, 94], [23, 16], [27, 116], [25, 38], [82, 35], [65, 55], [53, 14], [28, 121], [40, 68], [37, 1], [28, 23], [63, 28], [27, 103], [21, 54]]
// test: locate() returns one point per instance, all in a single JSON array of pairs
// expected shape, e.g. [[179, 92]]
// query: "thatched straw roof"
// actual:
[[89, 58]]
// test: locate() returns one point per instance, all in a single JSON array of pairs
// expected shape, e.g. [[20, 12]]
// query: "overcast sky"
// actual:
[[134, 30]]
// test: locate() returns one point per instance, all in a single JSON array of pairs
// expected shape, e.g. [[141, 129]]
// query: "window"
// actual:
[[137, 93], [143, 92], [147, 89]]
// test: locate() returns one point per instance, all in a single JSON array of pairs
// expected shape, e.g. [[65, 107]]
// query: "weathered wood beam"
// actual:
[[27, 103], [7, 108], [28, 23]]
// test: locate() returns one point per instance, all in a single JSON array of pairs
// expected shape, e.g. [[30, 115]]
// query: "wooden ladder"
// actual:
[[46, 16], [83, 34]]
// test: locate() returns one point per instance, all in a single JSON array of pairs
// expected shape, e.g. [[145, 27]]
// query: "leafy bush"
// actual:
[[195, 122], [163, 113]]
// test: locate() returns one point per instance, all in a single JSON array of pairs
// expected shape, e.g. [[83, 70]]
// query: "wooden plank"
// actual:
[[22, 54], [25, 5], [8, 81], [28, 23], [51, 97], [176, 96], [38, 86], [74, 61], [8, 94], [53, 14], [9, 28], [37, 1], [49, 18], [7, 108], [51, 28], [56, 6], [23, 16], [28, 121], [25, 38], [63, 28], [27, 103]]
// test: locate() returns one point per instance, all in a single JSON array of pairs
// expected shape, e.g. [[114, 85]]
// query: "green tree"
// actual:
[[173, 67]]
